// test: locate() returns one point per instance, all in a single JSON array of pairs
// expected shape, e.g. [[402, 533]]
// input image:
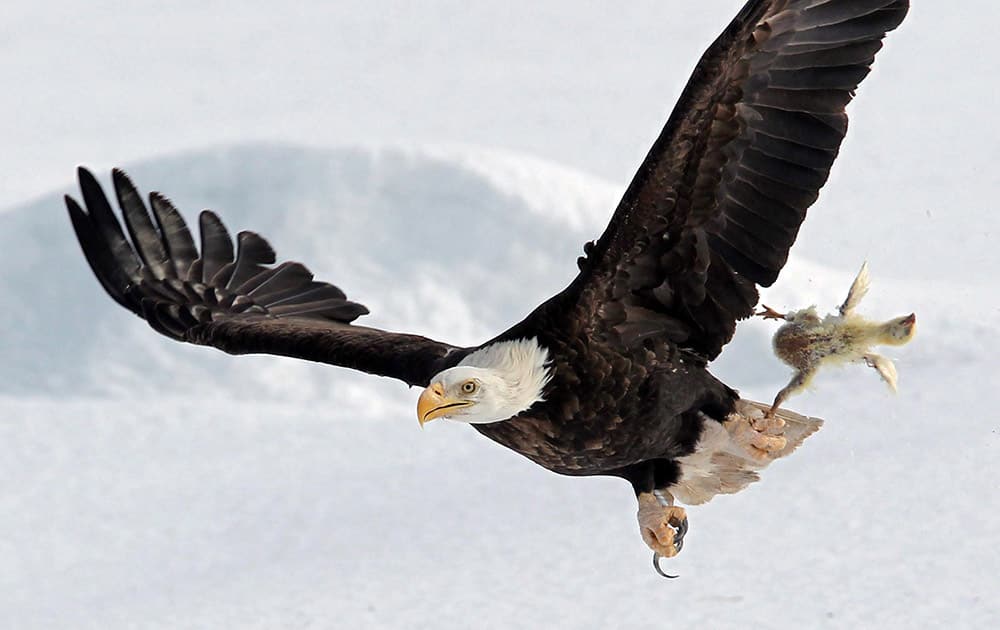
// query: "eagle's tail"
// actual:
[[730, 454]]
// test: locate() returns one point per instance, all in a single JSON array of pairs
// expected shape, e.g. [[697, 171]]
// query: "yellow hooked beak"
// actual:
[[434, 404]]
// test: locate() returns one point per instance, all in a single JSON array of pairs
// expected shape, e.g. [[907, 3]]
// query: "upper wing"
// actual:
[[717, 203], [234, 301]]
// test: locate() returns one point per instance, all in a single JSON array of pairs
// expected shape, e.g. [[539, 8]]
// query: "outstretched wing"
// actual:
[[233, 298], [717, 203]]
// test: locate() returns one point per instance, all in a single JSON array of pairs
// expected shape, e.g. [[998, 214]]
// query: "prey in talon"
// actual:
[[807, 341]]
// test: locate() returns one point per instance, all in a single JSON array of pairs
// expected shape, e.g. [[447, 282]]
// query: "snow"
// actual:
[[145, 483]]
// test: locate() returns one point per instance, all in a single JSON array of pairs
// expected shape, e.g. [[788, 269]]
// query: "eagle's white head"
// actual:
[[493, 383]]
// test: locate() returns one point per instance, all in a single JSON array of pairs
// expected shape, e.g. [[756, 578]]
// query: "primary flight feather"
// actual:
[[609, 376]]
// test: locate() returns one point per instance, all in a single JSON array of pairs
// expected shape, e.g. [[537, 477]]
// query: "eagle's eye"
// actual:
[[469, 387]]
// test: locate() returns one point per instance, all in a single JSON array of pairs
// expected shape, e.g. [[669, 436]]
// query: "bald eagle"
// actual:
[[609, 376]]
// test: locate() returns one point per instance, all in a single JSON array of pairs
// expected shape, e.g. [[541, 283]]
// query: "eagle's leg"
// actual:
[[661, 524], [800, 380]]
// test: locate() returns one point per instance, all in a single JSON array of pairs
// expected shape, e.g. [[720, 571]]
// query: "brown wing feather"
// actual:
[[717, 203], [234, 301]]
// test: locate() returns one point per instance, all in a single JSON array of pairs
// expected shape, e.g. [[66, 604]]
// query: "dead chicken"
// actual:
[[807, 341]]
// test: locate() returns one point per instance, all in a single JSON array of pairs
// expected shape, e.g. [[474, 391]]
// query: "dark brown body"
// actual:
[[607, 412]]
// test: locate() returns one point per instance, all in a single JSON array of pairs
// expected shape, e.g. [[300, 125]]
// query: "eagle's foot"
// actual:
[[760, 434], [764, 446], [768, 424], [663, 527]]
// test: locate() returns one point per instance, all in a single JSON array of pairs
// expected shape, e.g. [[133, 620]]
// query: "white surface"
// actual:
[[148, 484]]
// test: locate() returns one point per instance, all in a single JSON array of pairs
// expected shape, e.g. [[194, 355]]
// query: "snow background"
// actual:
[[148, 484]]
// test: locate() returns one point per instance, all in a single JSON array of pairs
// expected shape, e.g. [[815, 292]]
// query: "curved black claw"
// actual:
[[656, 567], [682, 529]]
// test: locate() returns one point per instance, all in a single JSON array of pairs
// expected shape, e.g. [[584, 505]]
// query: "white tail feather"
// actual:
[[725, 461]]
